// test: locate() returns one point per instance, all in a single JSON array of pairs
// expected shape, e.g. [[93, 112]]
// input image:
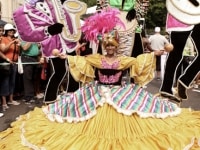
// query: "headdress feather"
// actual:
[[100, 23]]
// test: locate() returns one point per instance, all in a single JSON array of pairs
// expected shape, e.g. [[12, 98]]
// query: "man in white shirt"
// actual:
[[158, 42]]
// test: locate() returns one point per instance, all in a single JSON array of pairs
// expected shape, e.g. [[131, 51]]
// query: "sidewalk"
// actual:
[[13, 112]]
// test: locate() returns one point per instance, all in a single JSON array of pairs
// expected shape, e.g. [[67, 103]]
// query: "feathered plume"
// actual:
[[103, 22]]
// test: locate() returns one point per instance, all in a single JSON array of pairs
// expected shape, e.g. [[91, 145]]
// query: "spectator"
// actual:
[[158, 42], [30, 53], [10, 47], [1, 55], [146, 43]]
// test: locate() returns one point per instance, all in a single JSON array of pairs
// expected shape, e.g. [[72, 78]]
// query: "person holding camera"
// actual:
[[10, 47]]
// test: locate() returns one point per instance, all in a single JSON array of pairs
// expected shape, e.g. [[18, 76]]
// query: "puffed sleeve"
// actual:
[[80, 69], [142, 68], [143, 71]]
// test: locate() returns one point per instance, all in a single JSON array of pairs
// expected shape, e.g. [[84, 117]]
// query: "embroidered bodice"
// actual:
[[109, 75]]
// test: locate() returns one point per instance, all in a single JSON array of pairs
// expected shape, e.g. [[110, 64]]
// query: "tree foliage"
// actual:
[[156, 14], [89, 2]]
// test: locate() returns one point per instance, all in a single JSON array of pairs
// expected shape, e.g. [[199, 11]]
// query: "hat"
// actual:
[[157, 29], [9, 26]]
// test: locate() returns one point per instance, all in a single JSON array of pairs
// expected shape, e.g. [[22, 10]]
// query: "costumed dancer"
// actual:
[[56, 25], [106, 114], [130, 39], [182, 21]]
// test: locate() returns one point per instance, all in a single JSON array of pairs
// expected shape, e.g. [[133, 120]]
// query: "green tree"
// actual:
[[89, 2], [156, 15]]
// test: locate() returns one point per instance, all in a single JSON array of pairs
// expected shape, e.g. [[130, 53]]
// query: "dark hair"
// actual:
[[6, 32]]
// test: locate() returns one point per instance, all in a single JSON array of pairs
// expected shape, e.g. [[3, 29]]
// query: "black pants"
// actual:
[[58, 73], [192, 71], [175, 57], [178, 39], [29, 76]]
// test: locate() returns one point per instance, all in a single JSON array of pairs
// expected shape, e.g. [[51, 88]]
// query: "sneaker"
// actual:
[[1, 115], [13, 103]]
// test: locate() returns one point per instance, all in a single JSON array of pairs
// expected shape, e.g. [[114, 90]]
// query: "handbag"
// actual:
[[44, 70], [20, 66]]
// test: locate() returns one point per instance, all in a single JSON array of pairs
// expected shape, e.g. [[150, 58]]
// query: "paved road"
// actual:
[[14, 111]]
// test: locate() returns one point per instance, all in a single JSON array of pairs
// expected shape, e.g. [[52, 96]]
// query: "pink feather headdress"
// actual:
[[101, 23]]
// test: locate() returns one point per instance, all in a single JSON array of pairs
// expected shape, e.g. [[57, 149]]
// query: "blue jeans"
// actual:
[[7, 81]]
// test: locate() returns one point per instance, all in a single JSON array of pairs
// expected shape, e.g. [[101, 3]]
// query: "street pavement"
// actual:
[[13, 112]]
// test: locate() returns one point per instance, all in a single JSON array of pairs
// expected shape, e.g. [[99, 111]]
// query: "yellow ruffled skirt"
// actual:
[[107, 130]]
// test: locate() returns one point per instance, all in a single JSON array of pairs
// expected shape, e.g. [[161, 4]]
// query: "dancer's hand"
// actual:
[[62, 56], [159, 53]]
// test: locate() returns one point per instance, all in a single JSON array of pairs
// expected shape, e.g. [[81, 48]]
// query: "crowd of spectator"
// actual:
[[16, 87]]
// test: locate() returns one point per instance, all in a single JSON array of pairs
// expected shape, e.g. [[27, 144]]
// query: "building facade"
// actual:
[[7, 7]]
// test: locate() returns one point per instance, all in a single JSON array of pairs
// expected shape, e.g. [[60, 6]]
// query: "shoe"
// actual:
[[1, 115], [4, 107], [171, 98], [158, 79], [182, 91], [27, 102], [40, 95], [13, 103]]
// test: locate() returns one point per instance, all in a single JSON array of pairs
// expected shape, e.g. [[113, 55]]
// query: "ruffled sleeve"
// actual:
[[80, 69], [141, 68]]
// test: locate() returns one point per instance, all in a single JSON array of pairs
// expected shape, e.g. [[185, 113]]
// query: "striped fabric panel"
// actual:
[[134, 98], [131, 97], [79, 104]]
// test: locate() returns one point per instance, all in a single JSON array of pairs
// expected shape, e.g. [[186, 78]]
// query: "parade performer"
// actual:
[[130, 38], [106, 114], [56, 25], [182, 21]]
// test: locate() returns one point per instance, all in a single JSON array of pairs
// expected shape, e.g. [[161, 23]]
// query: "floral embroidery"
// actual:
[[108, 79]]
